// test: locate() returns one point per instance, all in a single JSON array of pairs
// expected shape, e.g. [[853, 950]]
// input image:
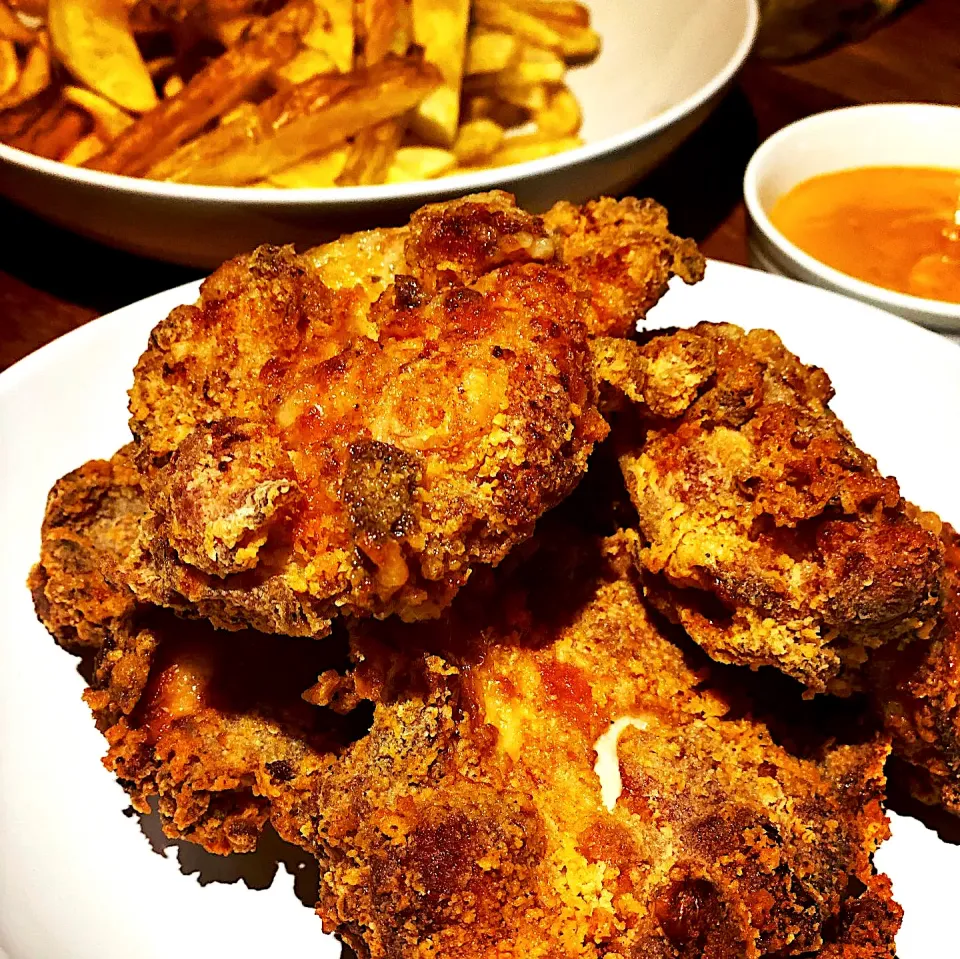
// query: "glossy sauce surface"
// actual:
[[895, 227]]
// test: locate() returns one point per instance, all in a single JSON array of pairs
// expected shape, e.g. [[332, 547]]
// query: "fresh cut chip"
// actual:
[[321, 171], [440, 28], [380, 93], [83, 150], [94, 40], [220, 85], [420, 163], [109, 120], [477, 139], [9, 67], [490, 51], [34, 76], [521, 149], [12, 29], [332, 32]]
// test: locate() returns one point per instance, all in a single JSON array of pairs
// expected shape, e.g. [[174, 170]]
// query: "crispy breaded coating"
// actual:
[[91, 521], [218, 729], [471, 820], [357, 428], [212, 724], [916, 690], [766, 532]]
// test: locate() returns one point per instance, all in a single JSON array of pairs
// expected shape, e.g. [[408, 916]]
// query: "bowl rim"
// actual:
[[765, 156], [415, 190]]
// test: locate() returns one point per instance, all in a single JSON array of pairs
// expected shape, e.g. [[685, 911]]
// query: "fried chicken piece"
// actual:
[[475, 818], [211, 724], [91, 520], [916, 691], [356, 429], [766, 532]]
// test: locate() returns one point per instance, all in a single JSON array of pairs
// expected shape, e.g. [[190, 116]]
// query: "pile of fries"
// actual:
[[301, 93]]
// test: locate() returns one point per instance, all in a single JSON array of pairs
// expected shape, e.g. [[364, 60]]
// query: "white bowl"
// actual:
[[883, 134], [663, 66]]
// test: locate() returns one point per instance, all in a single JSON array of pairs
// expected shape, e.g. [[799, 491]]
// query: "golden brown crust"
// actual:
[[916, 690], [91, 520], [209, 723], [356, 429], [625, 254], [767, 533], [470, 821]]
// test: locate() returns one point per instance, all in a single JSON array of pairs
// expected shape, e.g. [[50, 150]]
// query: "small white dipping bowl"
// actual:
[[883, 134], [663, 66]]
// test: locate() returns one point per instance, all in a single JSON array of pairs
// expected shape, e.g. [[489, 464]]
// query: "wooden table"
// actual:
[[52, 281]]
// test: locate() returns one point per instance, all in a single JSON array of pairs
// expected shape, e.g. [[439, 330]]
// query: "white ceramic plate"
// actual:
[[78, 879], [663, 67]]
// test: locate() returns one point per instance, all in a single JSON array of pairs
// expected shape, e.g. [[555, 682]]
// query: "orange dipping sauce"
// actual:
[[895, 227]]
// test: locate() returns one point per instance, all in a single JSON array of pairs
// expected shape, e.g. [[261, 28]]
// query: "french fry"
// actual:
[[246, 123], [215, 89], [321, 171], [440, 28], [561, 117], [31, 8], [569, 39], [145, 18], [536, 65], [305, 65], [521, 149], [9, 67], [94, 40], [15, 120], [244, 110], [476, 140], [109, 121], [56, 139], [34, 75], [577, 43], [376, 94], [172, 85], [332, 32], [387, 27], [11, 28], [532, 97], [487, 106], [230, 30], [53, 131], [371, 154], [41, 120], [491, 51], [85, 148], [420, 163], [353, 103], [160, 66], [563, 11]]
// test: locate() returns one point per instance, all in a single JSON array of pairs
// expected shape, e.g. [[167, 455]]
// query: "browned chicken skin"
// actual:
[[210, 723], [916, 691], [471, 821], [766, 532], [368, 433], [355, 429]]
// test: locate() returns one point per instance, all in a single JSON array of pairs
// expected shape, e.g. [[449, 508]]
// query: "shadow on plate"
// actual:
[[256, 870], [945, 825]]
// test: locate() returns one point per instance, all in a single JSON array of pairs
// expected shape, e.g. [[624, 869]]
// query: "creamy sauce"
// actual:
[[895, 227], [607, 766]]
